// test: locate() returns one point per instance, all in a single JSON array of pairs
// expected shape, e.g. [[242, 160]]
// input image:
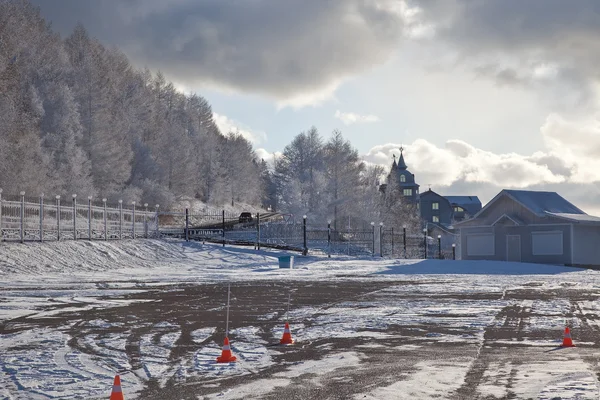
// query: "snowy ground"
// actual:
[[72, 314]]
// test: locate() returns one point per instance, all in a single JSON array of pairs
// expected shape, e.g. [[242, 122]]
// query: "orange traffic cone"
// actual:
[[287, 335], [226, 355], [117, 393], [567, 341]]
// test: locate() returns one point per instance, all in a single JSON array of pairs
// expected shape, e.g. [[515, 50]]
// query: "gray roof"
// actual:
[[577, 217], [463, 199], [542, 203]]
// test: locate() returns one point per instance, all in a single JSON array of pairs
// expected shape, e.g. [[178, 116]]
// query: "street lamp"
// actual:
[[305, 251], [329, 239], [404, 238], [454, 251], [381, 239], [425, 241], [440, 247], [74, 216], [373, 228], [89, 217]]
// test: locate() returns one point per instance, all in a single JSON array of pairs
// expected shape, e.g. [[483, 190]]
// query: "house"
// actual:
[[435, 208], [464, 207], [531, 226]]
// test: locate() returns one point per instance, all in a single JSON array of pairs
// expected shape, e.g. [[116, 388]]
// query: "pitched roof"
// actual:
[[541, 203], [401, 163], [463, 199], [577, 217]]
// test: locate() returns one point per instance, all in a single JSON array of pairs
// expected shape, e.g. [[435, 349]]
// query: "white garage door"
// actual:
[[480, 245], [547, 243]]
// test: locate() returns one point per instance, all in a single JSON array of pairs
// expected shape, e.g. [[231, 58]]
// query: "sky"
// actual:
[[482, 94]]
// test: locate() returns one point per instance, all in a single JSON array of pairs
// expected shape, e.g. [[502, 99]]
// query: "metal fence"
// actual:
[[41, 219], [276, 231]]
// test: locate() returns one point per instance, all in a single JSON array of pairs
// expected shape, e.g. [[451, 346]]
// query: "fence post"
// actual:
[[373, 229], [120, 219], [440, 247], [22, 217], [74, 217], [381, 239], [157, 221], [305, 250], [105, 220], [425, 242], [187, 225], [328, 239], [1, 235], [89, 217], [404, 238], [42, 217], [146, 220], [454, 251], [258, 231], [392, 229], [223, 228], [133, 220], [58, 218]]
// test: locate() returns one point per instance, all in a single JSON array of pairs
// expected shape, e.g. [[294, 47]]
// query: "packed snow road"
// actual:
[[73, 314]]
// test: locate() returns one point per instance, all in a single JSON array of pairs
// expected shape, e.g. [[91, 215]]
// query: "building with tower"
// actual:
[[405, 180], [433, 207]]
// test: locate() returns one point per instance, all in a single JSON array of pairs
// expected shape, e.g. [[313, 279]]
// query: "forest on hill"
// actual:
[[78, 117]]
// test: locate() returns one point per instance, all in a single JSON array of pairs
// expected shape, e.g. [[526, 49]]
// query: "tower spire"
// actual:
[[401, 163], [394, 164]]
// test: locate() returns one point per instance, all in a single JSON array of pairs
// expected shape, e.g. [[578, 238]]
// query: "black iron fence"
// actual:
[[279, 231]]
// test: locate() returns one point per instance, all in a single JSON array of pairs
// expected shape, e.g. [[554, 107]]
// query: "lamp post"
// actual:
[[425, 241], [381, 239], [373, 229], [22, 217], [454, 251], [440, 247], [89, 217], [42, 217], [156, 207], [105, 219], [305, 250], [146, 220], [133, 221], [329, 239], [404, 238], [120, 219], [74, 217], [58, 218]]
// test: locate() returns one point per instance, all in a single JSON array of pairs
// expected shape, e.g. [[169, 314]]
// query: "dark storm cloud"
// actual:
[[277, 47]]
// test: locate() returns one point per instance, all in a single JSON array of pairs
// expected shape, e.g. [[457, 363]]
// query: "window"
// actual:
[[481, 244], [547, 243], [407, 192], [458, 209], [402, 178], [435, 205], [436, 218]]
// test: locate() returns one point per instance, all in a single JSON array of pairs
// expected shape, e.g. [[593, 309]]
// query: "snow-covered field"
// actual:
[[72, 314]]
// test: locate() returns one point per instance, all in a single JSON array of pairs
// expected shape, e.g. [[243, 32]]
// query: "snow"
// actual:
[[85, 276]]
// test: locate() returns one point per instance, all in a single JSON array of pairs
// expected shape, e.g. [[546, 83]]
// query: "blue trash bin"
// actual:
[[286, 262]]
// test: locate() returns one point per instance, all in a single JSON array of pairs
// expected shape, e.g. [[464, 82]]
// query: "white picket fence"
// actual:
[[41, 219]]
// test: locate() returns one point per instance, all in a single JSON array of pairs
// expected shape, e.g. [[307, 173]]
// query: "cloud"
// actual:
[[227, 125], [570, 164], [349, 118], [285, 49], [552, 46]]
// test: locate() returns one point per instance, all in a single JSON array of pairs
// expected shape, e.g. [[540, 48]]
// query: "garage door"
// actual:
[[547, 243], [480, 245]]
